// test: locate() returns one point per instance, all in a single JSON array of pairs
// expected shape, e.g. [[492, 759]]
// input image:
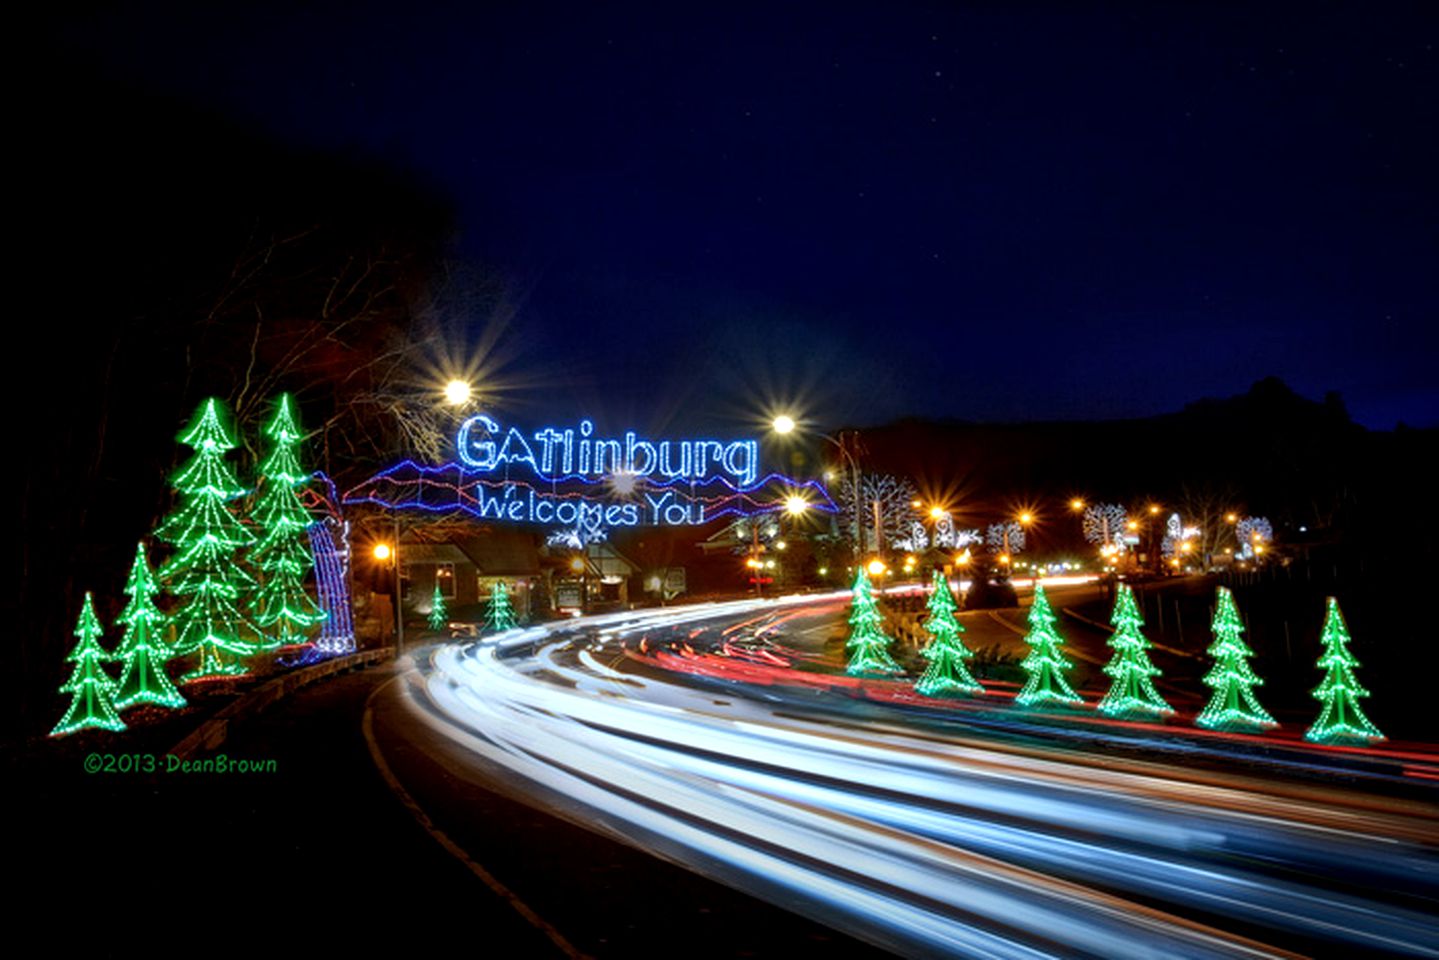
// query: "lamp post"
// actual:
[[849, 458], [384, 553], [785, 424]]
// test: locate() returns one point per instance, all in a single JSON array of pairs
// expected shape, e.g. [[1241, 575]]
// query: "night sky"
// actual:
[[995, 211]]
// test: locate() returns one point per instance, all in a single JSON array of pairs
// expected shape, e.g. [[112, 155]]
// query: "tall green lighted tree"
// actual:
[[1232, 703], [1132, 690], [1045, 665], [868, 646], [91, 688], [946, 674], [500, 615], [203, 573], [143, 651], [1341, 717], [282, 605], [439, 615]]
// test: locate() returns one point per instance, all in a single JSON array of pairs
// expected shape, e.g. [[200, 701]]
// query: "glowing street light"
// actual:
[[1077, 504], [457, 392], [381, 551], [876, 568], [783, 423], [795, 505]]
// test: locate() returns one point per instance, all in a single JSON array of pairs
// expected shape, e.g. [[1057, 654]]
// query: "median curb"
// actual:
[[1107, 628], [213, 732]]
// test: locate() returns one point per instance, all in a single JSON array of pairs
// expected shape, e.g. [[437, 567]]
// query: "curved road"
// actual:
[[707, 736]]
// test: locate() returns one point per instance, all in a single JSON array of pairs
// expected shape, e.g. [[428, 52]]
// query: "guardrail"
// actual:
[[212, 732]]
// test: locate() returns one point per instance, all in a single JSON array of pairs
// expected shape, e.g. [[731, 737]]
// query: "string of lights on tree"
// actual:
[[142, 650], [1045, 665], [1133, 688], [946, 675], [1341, 719], [499, 615], [1231, 678], [868, 645], [282, 604], [91, 688], [204, 574], [439, 614]]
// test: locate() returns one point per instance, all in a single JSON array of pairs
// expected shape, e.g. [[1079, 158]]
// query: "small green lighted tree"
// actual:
[[143, 650], [500, 616], [1132, 690], [282, 605], [1341, 717], [868, 646], [439, 615], [1045, 665], [1233, 702], [203, 573], [90, 686], [946, 674]]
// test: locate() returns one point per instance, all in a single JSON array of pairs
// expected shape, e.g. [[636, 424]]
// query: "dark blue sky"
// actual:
[[1002, 211]]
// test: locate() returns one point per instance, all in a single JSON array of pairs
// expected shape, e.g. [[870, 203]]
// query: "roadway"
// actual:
[[720, 738]]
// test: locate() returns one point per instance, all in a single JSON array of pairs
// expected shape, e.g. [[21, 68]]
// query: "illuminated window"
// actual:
[[445, 577]]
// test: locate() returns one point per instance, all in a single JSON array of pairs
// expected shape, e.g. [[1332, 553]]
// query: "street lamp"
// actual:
[[457, 392], [382, 552]]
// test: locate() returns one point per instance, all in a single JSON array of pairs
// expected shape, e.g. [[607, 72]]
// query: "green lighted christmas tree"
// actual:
[[91, 704], [439, 616], [1341, 717], [203, 572], [1132, 690], [282, 605], [1233, 702], [946, 674], [868, 646], [499, 616], [1045, 664], [143, 651]]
